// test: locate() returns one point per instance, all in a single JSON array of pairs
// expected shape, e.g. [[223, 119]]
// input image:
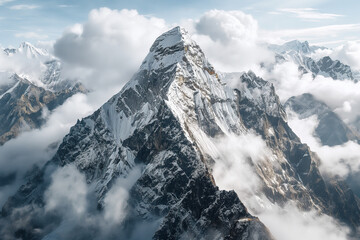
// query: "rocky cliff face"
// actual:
[[22, 105], [164, 124]]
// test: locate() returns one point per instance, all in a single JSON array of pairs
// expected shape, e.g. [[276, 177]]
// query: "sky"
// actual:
[[325, 22]]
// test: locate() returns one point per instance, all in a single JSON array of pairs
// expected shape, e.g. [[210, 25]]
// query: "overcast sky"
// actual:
[[320, 21]]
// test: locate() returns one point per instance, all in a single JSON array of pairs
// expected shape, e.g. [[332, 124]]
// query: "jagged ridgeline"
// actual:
[[154, 142]]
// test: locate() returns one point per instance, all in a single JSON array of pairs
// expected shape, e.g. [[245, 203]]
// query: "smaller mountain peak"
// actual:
[[252, 80], [9, 51], [292, 42], [31, 51], [326, 59], [299, 46], [26, 44]]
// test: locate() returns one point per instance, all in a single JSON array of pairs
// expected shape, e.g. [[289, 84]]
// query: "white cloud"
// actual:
[[65, 6], [233, 165], [2, 2], [226, 26], [24, 7], [116, 199], [31, 35], [67, 192], [311, 34], [109, 47], [230, 40], [72, 198], [287, 4], [309, 13], [348, 53], [289, 222]]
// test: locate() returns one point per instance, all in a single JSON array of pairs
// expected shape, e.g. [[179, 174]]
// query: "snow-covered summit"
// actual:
[[169, 49], [30, 51]]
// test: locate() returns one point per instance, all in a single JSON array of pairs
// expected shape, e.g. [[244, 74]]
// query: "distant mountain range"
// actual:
[[301, 53]]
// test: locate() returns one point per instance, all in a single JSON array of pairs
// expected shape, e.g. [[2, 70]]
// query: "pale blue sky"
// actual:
[[35, 20]]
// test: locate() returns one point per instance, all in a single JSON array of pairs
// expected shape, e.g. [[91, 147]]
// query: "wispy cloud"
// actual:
[[309, 13], [2, 2], [31, 35], [277, 4], [274, 13], [314, 33], [24, 7], [64, 6]]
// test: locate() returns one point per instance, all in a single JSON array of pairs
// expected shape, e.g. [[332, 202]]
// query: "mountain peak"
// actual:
[[171, 48], [177, 39], [293, 46], [298, 46], [173, 37], [31, 51], [26, 44]]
